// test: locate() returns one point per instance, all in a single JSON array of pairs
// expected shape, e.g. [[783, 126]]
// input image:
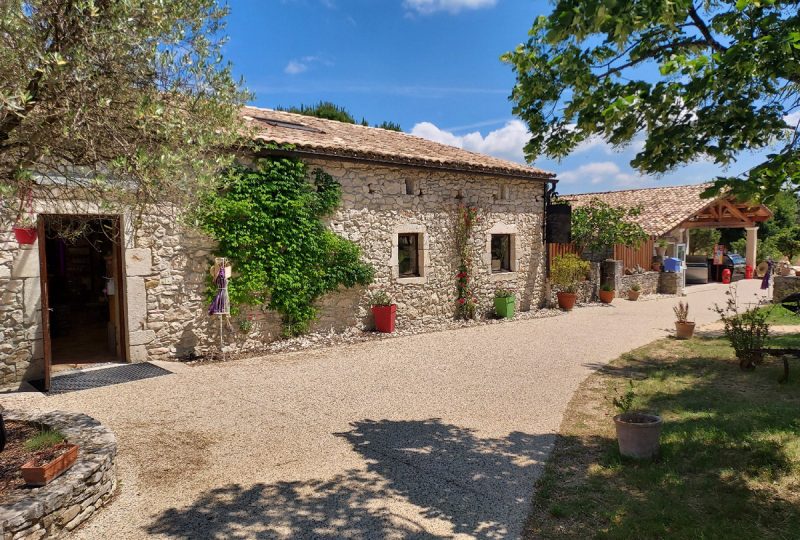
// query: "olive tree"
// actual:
[[119, 101]]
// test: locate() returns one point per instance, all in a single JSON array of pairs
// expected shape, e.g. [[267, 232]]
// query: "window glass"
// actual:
[[408, 254], [501, 253]]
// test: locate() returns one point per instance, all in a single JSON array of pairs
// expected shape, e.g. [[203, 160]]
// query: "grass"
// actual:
[[46, 438], [779, 315], [730, 459]]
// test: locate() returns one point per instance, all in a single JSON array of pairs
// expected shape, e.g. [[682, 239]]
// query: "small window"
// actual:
[[408, 255], [501, 253], [505, 193], [411, 187]]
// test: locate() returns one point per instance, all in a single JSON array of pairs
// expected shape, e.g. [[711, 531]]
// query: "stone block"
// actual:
[[32, 298], [141, 337], [137, 353], [26, 264], [138, 261], [136, 300]]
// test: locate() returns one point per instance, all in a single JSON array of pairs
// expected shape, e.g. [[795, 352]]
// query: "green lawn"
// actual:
[[781, 316], [730, 462]]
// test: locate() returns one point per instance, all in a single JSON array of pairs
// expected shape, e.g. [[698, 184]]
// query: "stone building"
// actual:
[[139, 293]]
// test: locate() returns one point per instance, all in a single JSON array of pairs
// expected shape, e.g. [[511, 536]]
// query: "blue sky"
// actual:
[[431, 65]]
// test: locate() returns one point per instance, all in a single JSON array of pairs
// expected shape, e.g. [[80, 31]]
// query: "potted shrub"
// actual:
[[566, 273], [607, 293], [638, 433], [504, 303], [634, 292], [384, 312], [661, 247], [684, 329], [54, 455]]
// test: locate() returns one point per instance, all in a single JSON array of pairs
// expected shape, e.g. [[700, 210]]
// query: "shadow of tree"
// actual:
[[424, 479]]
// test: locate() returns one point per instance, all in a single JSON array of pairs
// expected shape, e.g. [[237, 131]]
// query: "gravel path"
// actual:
[[428, 436]]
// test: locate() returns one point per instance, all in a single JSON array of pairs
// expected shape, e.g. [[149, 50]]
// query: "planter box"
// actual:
[[504, 307], [40, 476], [384, 318], [25, 235]]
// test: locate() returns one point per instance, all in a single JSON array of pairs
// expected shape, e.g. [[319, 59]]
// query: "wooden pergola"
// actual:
[[727, 213]]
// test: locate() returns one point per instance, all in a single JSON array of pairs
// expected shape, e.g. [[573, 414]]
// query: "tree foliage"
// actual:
[[267, 221], [702, 241], [97, 90], [331, 111], [598, 225], [728, 77]]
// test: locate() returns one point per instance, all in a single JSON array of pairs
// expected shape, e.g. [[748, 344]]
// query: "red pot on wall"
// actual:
[[384, 318], [25, 235]]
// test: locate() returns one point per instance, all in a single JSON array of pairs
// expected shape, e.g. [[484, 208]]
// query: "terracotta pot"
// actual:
[[684, 330], [25, 235], [633, 296], [656, 267], [40, 476], [607, 296], [566, 300], [638, 434]]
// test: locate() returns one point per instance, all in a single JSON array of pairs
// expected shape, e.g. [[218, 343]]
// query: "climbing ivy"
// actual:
[[267, 221]]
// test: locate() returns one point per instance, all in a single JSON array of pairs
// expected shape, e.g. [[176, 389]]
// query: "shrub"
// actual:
[[747, 330], [636, 287], [606, 287], [682, 311], [503, 293], [567, 271], [46, 438], [380, 298]]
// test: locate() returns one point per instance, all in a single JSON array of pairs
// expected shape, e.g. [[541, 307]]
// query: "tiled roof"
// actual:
[[330, 138], [663, 208]]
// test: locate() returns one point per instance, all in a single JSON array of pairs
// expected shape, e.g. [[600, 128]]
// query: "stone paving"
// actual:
[[438, 435]]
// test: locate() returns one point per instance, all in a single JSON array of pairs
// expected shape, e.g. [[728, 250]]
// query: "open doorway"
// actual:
[[81, 274]]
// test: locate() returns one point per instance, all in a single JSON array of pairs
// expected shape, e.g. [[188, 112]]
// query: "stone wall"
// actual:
[[647, 281], [783, 286], [669, 283], [57, 508], [167, 265]]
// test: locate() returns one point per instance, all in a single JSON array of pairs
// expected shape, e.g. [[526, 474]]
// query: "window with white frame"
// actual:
[[408, 254]]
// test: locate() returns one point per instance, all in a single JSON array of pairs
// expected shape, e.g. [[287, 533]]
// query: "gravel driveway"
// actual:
[[438, 435]]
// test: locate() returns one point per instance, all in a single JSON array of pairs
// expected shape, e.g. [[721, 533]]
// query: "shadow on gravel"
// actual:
[[479, 486]]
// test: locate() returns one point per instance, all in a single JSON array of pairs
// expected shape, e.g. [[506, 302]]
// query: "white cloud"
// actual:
[[426, 7], [605, 173], [506, 142], [792, 119], [300, 65]]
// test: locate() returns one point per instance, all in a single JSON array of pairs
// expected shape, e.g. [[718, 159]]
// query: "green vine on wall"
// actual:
[[466, 302], [267, 222]]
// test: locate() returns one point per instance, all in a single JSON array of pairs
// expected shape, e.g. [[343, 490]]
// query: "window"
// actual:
[[501, 253], [408, 255], [411, 187]]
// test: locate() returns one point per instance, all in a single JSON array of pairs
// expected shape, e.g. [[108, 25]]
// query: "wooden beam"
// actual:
[[733, 210], [716, 224]]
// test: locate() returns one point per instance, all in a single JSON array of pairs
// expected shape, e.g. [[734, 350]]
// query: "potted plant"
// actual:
[[656, 266], [638, 433], [634, 292], [504, 303], [25, 229], [684, 329], [384, 311], [661, 247], [567, 272], [53, 456], [607, 293]]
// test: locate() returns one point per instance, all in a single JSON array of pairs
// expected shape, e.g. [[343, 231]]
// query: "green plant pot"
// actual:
[[504, 307]]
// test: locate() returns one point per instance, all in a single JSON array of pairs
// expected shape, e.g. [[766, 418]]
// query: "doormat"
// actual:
[[97, 378]]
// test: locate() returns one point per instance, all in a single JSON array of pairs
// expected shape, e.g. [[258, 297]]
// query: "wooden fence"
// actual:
[[630, 257]]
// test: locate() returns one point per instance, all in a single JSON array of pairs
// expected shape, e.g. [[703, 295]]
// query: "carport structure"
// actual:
[[671, 212]]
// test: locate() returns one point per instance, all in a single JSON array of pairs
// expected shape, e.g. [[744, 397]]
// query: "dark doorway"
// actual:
[[84, 298]]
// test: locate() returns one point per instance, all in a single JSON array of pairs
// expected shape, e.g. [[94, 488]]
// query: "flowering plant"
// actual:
[[466, 302]]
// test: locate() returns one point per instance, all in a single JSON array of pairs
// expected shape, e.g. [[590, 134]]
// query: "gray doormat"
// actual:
[[97, 378]]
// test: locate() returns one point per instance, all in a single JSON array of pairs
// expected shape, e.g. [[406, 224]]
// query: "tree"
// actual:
[[702, 241], [597, 226], [331, 111], [728, 77], [120, 101], [788, 242]]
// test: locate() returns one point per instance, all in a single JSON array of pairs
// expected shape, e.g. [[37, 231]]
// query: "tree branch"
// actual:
[[701, 25]]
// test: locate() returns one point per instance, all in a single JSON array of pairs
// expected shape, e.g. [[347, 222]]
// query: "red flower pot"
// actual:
[[25, 235], [384, 318]]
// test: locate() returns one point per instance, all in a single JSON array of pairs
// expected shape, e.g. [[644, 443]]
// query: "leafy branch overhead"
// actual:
[[697, 80], [267, 222], [92, 91]]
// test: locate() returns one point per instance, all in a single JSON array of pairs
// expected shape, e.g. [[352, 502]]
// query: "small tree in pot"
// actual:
[[638, 433], [607, 293], [567, 272], [684, 329]]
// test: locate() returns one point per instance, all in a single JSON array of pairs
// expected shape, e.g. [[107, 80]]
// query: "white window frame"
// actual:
[[422, 253], [513, 257]]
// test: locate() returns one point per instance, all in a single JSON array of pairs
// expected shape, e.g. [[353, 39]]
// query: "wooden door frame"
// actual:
[[119, 253]]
